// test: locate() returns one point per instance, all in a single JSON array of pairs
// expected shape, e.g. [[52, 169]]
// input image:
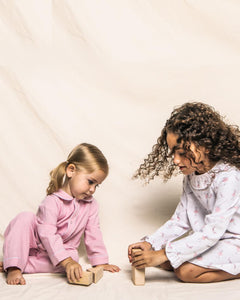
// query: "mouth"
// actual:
[[182, 168]]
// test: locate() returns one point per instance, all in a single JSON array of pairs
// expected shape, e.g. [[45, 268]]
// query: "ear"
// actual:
[[70, 170]]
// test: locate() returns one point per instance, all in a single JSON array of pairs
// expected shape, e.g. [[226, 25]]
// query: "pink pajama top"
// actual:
[[62, 220]]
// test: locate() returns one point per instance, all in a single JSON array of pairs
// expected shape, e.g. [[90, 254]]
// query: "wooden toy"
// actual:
[[86, 279], [138, 275], [97, 273], [90, 276]]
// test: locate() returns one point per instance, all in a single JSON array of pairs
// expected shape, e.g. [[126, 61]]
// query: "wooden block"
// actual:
[[97, 273], [86, 279], [138, 275]]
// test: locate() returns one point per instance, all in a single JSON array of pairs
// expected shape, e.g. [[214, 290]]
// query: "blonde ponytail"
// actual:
[[57, 176], [84, 156]]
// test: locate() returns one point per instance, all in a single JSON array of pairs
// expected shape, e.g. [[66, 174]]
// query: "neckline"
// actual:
[[202, 181]]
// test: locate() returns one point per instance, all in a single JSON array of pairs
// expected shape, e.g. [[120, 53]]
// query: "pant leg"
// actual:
[[40, 262], [20, 248], [19, 238]]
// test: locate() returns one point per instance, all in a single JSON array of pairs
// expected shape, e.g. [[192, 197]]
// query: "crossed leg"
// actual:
[[166, 266], [188, 272]]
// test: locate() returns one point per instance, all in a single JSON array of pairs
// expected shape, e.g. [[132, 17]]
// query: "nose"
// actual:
[[176, 159], [92, 189]]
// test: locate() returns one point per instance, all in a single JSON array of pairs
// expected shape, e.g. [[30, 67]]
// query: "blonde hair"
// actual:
[[84, 156]]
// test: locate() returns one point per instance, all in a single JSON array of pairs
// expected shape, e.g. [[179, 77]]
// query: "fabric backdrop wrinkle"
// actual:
[[108, 73]]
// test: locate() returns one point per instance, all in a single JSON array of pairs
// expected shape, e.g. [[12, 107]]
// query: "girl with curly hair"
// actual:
[[201, 241]]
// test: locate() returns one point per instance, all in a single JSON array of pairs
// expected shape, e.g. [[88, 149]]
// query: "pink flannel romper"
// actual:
[[209, 211], [37, 243]]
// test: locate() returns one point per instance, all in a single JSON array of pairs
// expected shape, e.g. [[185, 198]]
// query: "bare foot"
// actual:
[[14, 276], [1, 266]]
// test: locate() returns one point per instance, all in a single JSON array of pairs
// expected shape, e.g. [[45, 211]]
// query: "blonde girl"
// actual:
[[49, 240], [197, 142]]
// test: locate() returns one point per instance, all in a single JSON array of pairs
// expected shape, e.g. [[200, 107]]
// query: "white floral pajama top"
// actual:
[[210, 211]]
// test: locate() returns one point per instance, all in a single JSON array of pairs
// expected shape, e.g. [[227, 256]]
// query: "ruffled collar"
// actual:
[[65, 196], [203, 181]]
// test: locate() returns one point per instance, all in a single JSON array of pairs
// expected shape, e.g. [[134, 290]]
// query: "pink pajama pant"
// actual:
[[21, 250]]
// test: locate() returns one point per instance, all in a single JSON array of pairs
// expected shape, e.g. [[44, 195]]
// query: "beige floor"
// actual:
[[159, 284]]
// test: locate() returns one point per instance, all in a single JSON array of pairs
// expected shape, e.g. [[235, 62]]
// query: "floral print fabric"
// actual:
[[209, 210]]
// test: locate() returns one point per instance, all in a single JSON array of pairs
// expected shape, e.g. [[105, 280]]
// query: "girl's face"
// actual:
[[201, 163], [82, 184]]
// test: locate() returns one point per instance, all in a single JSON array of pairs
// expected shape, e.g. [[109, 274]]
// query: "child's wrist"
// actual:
[[65, 262]]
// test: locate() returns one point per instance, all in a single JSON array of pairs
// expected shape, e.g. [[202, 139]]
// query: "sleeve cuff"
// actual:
[[172, 256], [98, 260], [151, 241], [59, 256]]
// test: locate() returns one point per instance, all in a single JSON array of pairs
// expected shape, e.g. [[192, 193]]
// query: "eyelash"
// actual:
[[91, 182], [181, 153], [171, 154]]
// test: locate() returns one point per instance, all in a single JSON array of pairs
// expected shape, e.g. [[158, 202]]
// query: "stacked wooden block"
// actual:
[[138, 275]]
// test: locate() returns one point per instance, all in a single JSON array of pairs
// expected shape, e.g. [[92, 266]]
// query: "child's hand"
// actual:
[[141, 245], [148, 258], [110, 268], [72, 269]]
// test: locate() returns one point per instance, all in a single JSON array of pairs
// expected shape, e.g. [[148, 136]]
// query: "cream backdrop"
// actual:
[[108, 72]]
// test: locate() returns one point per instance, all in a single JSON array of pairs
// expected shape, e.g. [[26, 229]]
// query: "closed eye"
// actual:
[[174, 151], [91, 182], [182, 153]]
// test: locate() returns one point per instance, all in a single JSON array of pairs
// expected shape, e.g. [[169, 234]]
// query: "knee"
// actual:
[[24, 218], [27, 217], [21, 221], [185, 272]]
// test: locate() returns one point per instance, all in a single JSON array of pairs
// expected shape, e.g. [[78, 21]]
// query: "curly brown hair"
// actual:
[[198, 123]]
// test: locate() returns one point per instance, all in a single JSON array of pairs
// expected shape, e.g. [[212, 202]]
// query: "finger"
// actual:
[[130, 250], [137, 253], [77, 273], [138, 246], [133, 246], [68, 276], [137, 256], [115, 267], [140, 264], [72, 275], [80, 271]]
